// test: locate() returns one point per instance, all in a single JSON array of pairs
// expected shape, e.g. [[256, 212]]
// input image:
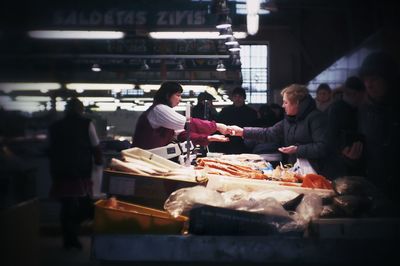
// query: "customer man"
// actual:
[[238, 114]]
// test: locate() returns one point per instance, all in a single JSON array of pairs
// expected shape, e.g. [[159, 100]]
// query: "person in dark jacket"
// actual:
[[301, 134], [204, 108], [240, 114], [379, 122], [345, 139], [73, 149]]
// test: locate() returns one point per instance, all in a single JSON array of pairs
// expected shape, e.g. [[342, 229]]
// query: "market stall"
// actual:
[[162, 211]]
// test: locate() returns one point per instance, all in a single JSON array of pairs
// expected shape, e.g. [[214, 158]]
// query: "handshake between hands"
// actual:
[[225, 130], [238, 132], [230, 130]]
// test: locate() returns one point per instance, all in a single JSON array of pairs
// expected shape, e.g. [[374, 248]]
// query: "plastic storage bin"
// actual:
[[135, 219]]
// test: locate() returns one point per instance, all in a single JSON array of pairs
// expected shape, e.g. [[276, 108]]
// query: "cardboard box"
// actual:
[[134, 219]]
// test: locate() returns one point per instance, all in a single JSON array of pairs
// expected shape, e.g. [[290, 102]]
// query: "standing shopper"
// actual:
[[301, 134], [74, 147], [379, 121], [345, 139], [161, 124]]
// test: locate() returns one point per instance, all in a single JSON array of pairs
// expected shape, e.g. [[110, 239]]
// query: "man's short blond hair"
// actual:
[[295, 93]]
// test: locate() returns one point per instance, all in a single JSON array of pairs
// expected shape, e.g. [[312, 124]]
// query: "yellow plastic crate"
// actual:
[[135, 219]]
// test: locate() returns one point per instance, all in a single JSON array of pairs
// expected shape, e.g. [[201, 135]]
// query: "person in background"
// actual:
[[73, 149], [236, 114], [379, 122], [323, 97], [204, 108], [160, 124], [301, 134], [346, 141]]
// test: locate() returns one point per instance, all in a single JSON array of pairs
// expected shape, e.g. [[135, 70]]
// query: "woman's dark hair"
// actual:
[[166, 90]]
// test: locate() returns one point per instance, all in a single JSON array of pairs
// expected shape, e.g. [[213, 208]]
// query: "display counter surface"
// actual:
[[249, 249]]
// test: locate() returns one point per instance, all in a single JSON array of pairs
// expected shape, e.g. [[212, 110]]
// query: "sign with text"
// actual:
[[125, 14]]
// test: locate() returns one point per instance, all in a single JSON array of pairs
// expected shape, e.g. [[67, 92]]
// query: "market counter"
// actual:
[[249, 249]]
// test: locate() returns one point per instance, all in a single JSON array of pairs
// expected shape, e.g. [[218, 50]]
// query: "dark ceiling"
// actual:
[[24, 58]]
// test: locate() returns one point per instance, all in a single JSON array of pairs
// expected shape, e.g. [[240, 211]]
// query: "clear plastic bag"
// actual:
[[303, 167], [182, 200], [310, 207]]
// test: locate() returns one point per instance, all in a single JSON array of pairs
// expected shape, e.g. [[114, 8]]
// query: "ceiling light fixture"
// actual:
[[252, 24], [180, 66], [231, 41], [145, 66], [235, 60], [224, 21], [234, 48], [253, 7], [220, 66], [96, 68], [225, 33], [70, 34], [193, 35]]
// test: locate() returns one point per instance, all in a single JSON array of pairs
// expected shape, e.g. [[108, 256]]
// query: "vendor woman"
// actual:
[[161, 124]]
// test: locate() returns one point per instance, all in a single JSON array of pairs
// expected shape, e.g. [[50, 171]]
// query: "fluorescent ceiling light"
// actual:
[[70, 34], [99, 86], [137, 99], [192, 35], [96, 99], [29, 107], [111, 107], [149, 87], [196, 88], [28, 86], [32, 98]]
